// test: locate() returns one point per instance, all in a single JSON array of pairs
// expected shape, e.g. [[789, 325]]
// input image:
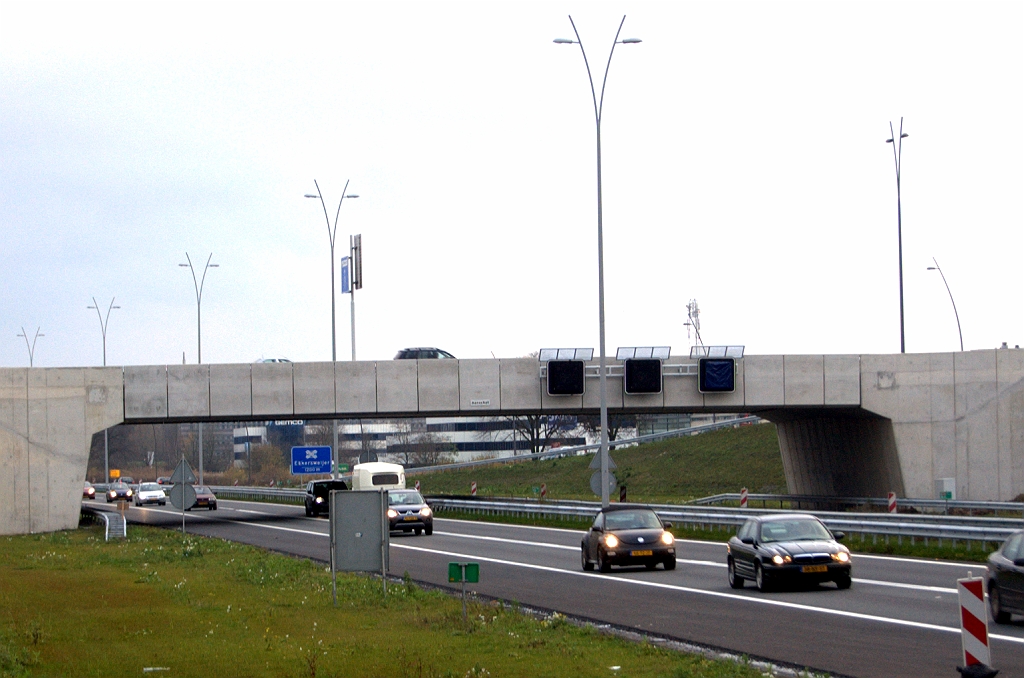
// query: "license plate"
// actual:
[[814, 568], [641, 553], [409, 518]]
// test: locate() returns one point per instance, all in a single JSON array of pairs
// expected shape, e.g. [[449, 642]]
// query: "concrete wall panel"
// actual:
[[842, 379], [355, 385], [764, 381], [272, 392], [1010, 373], [397, 387], [231, 390], [479, 386], [145, 392], [520, 384], [804, 379], [314, 388], [977, 424], [438, 384], [188, 390], [592, 396], [681, 391]]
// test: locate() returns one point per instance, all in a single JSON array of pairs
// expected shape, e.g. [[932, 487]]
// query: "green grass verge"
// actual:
[[667, 471], [72, 604]]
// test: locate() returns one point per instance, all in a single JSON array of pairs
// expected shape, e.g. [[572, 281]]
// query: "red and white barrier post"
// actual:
[[743, 498], [892, 502], [472, 488], [417, 486], [973, 621], [543, 491]]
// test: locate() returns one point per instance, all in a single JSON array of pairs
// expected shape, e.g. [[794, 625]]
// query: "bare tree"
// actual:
[[540, 430], [617, 423]]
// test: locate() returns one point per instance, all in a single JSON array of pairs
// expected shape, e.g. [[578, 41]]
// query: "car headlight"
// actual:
[[611, 541], [129, 493], [667, 538], [319, 500], [841, 557], [392, 513], [781, 560], [425, 511]]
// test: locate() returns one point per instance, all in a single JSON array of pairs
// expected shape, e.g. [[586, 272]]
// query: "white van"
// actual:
[[378, 475]]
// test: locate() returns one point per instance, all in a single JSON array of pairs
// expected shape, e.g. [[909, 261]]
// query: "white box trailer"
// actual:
[[378, 475]]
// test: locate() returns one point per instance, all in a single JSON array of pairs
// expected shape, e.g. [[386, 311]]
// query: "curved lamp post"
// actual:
[[103, 330], [598, 107], [199, 332], [897, 154], [31, 347], [936, 268], [331, 233]]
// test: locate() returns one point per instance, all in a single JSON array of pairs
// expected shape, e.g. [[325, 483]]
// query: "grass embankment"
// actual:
[[72, 604], [669, 471]]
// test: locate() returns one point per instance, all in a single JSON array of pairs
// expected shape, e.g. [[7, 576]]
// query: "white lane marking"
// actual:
[[715, 594], [705, 563]]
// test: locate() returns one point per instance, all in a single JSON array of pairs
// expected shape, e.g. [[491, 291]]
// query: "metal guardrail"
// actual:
[[559, 452], [116, 526], [280, 494], [944, 505]]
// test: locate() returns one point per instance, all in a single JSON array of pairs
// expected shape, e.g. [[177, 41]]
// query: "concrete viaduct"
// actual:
[[849, 425]]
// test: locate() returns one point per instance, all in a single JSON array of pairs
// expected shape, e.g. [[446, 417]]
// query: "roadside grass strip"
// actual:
[[72, 604]]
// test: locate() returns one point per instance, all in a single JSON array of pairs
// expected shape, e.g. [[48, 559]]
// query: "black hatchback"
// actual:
[[787, 547], [1006, 579], [318, 495], [627, 534]]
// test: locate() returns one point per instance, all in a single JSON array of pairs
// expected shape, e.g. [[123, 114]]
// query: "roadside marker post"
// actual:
[[973, 621], [892, 502], [743, 498], [464, 572], [417, 486], [472, 488], [543, 491]]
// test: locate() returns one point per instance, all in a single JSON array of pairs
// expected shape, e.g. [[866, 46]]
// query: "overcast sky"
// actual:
[[744, 154]]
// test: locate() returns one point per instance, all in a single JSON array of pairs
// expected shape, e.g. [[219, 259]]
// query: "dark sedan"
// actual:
[[408, 512], [318, 495], [1006, 579], [119, 492], [205, 498], [772, 549], [627, 534]]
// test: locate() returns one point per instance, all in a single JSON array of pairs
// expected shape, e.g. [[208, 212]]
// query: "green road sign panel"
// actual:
[[454, 572], [472, 573]]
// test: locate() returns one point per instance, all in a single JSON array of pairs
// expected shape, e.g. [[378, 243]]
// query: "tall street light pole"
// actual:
[[103, 330], [897, 154], [31, 347], [199, 283], [598, 107], [331, 233], [936, 268]]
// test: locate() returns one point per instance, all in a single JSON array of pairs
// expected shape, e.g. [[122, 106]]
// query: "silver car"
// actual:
[[150, 493]]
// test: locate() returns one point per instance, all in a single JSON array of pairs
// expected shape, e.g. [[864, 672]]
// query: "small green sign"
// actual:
[[945, 495], [468, 572], [342, 468]]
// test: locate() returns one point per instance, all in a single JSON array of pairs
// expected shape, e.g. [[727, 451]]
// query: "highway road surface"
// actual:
[[900, 618]]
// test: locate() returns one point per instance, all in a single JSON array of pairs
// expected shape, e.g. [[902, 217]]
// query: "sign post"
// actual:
[[464, 572], [183, 495]]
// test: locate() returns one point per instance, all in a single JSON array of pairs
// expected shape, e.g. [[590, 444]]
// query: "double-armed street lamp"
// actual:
[[31, 347], [199, 283], [897, 154], [331, 233], [598, 107], [103, 330], [959, 331]]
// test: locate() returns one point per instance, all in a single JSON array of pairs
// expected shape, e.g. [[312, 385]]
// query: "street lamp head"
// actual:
[[630, 41], [352, 196], [564, 41], [904, 135], [310, 195], [214, 265], [185, 265], [933, 268], [888, 141]]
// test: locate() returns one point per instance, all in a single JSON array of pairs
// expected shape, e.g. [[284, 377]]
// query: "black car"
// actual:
[[628, 534], [119, 492], [791, 547], [1006, 579], [318, 495], [408, 512], [423, 353]]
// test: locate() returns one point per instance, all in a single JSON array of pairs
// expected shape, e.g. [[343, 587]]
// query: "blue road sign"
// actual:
[[346, 278], [316, 459]]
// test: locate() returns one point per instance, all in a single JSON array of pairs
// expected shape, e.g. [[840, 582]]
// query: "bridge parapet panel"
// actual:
[[314, 385], [842, 379], [188, 391], [272, 389], [438, 385], [397, 386], [231, 390], [764, 381], [355, 387], [804, 379], [520, 388], [479, 386], [145, 392]]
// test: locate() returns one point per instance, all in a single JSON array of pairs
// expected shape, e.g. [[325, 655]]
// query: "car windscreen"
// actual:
[[793, 530], [324, 489], [150, 487], [631, 520], [404, 498]]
